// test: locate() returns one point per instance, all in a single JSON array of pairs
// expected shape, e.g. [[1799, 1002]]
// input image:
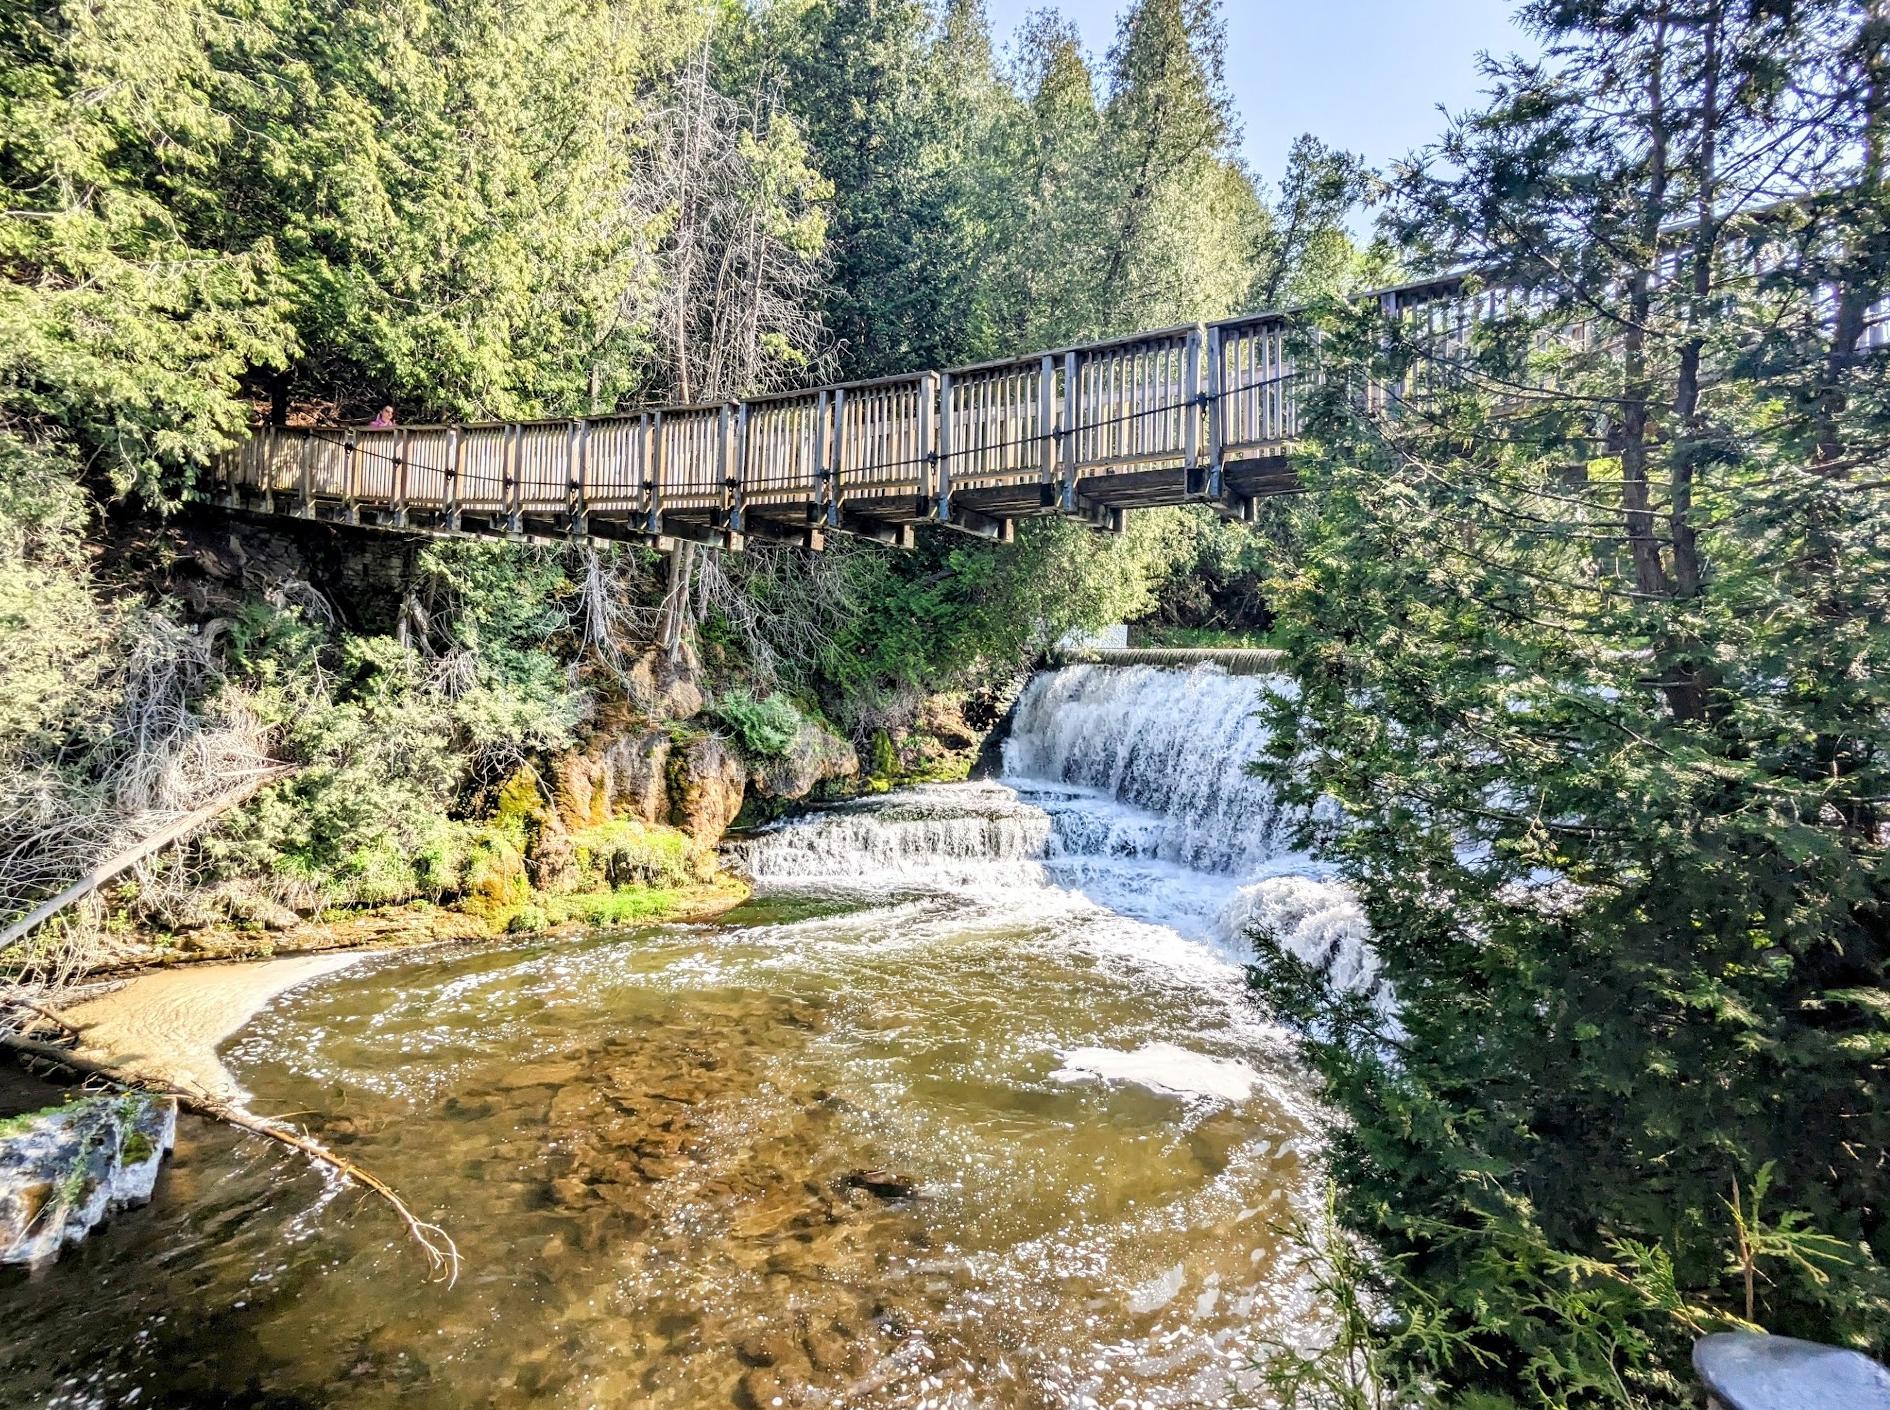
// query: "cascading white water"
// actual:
[[1170, 743], [1127, 785], [936, 834]]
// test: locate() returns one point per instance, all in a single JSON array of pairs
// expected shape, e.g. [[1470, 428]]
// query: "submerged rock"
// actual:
[[65, 1169], [882, 1183]]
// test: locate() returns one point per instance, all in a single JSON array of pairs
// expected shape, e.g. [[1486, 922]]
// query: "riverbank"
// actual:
[[168, 1024], [166, 1002], [412, 923]]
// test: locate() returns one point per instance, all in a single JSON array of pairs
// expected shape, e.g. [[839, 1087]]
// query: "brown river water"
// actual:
[[968, 1108]]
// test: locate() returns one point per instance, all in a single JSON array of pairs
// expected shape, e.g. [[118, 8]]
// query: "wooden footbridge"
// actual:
[[1202, 414]]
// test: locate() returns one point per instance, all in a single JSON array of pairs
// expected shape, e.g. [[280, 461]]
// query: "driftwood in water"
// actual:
[[442, 1255], [131, 856]]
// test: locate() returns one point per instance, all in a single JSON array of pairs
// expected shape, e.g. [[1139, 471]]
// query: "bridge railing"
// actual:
[[615, 468], [781, 446], [1251, 380], [1135, 402], [996, 422], [883, 439], [1017, 436]]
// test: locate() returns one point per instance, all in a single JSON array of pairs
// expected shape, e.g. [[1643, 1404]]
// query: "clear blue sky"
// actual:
[[1365, 75]]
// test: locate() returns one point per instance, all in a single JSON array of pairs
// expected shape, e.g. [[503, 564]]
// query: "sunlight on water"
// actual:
[[970, 1108]]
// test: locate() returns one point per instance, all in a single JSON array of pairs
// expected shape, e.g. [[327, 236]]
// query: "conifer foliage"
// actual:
[[1591, 615]]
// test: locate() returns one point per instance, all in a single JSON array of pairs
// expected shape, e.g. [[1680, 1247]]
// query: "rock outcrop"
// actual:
[[707, 780], [621, 772], [64, 1170], [647, 759], [815, 756]]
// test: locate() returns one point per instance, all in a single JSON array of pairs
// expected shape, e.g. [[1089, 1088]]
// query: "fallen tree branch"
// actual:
[[131, 856], [59, 1021], [441, 1252]]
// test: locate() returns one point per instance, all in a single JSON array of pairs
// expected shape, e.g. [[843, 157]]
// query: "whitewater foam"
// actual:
[[1162, 1067], [1124, 786]]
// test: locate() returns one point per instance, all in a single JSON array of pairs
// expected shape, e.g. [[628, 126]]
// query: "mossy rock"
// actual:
[[627, 852], [496, 880]]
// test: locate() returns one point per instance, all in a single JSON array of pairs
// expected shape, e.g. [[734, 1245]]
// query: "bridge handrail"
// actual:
[[1191, 399]]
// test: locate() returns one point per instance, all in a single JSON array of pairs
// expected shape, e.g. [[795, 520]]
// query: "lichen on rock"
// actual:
[[65, 1169]]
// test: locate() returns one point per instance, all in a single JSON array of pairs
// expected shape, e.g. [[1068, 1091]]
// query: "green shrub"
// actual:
[[626, 852], [764, 728], [528, 919]]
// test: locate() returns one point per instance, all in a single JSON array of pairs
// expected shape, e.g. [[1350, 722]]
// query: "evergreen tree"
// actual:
[[858, 77], [1176, 213], [123, 328], [1589, 611]]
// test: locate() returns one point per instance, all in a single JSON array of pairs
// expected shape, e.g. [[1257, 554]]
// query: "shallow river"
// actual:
[[970, 1107]]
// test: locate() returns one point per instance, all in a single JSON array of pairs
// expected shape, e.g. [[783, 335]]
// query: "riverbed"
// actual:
[[970, 1107]]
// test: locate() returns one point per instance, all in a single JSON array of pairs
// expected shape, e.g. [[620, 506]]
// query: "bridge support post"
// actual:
[[734, 451], [307, 507], [400, 480], [1049, 434], [352, 474], [825, 509], [1198, 482], [1391, 393], [1216, 401], [455, 463], [653, 429], [935, 408], [576, 455], [508, 481], [271, 440], [1066, 434]]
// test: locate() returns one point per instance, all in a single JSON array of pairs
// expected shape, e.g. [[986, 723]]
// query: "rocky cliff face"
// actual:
[[649, 758]]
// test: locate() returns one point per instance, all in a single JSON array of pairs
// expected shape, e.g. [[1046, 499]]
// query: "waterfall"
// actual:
[[1172, 744], [1126, 785], [935, 834]]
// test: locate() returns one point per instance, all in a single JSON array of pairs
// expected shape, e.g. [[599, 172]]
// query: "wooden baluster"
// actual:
[[307, 508], [1134, 372], [1108, 411]]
